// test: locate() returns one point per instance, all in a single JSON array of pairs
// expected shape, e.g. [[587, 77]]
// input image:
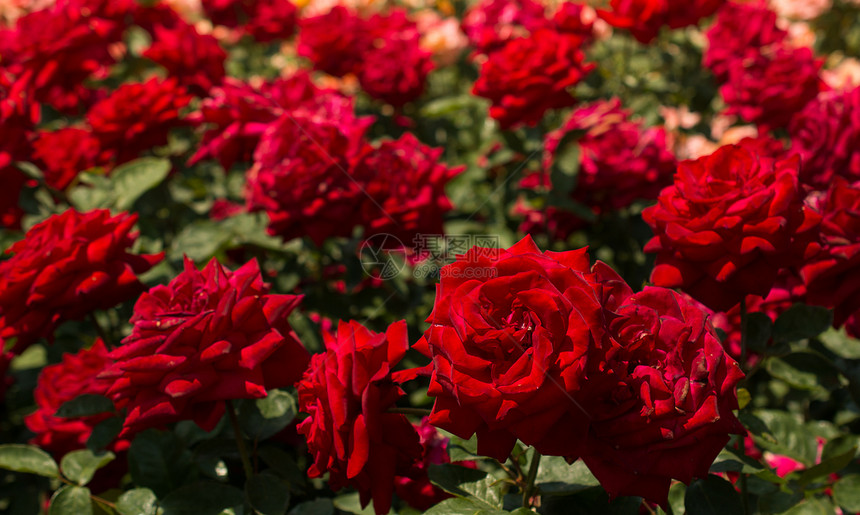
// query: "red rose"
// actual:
[[740, 29], [660, 399], [51, 52], [207, 337], [768, 87], [63, 154], [136, 117], [336, 52], [5, 380], [530, 75], [394, 67], [509, 337], [831, 278], [58, 384], [619, 162], [644, 18], [195, 60], [826, 133], [66, 267], [727, 226], [239, 113], [404, 188], [572, 18], [347, 392], [18, 115], [263, 20], [490, 23]]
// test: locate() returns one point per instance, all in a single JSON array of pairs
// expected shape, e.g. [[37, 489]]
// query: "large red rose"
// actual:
[[826, 133], [64, 153], [347, 391], [66, 267], [644, 18], [660, 399], [832, 278], [490, 23], [263, 20], [509, 336], [530, 75], [336, 52], [728, 225], [209, 336], [58, 384], [195, 60]]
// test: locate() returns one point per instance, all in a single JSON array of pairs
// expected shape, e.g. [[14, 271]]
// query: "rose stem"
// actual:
[[420, 412], [528, 490], [240, 442]]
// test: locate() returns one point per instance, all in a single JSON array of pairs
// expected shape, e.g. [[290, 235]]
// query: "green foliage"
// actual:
[[29, 459], [80, 466]]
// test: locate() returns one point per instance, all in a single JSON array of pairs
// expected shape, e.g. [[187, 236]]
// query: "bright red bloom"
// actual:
[[195, 60], [530, 75], [768, 88], [347, 392], [5, 380], [826, 134], [76, 375], [509, 335], [263, 20], [727, 226], [64, 153], [209, 336], [570, 18], [18, 115], [741, 29], [660, 398], [66, 267], [490, 23], [831, 278], [404, 188], [336, 52], [137, 117], [644, 18]]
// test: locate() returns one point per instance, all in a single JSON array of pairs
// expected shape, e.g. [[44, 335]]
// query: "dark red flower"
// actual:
[[58, 384], [660, 398], [137, 117], [741, 28], [195, 60], [64, 153], [767, 88], [826, 133], [263, 20], [209, 336], [66, 267], [336, 52], [347, 392], [644, 18], [571, 18], [728, 225], [529, 75], [490, 23]]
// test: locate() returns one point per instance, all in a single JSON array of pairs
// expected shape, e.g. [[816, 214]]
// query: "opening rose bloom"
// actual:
[[644, 18], [209, 336], [509, 335], [66, 267], [347, 391], [660, 398], [728, 224]]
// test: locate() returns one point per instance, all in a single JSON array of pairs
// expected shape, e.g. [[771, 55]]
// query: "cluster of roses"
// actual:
[[544, 349], [521, 91]]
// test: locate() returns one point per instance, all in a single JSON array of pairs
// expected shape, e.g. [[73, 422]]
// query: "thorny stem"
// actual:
[[240, 442], [528, 490]]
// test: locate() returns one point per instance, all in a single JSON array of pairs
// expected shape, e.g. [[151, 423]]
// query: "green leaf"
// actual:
[[284, 465], [712, 496], [789, 436], [85, 405], [131, 180], [159, 461], [199, 240], [801, 321], [744, 398], [846, 493], [827, 467], [556, 477], [71, 500], [565, 164], [94, 191], [267, 494], [262, 418], [812, 506], [839, 343], [315, 507], [29, 459], [466, 482], [203, 498], [759, 331], [139, 501], [104, 433], [460, 506], [351, 503], [80, 466], [805, 371]]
